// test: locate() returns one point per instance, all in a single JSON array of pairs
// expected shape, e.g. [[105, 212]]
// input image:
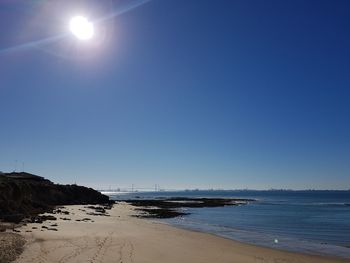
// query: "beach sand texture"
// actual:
[[120, 238]]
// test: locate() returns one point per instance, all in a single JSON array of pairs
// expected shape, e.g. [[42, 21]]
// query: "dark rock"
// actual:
[[23, 195], [59, 211], [159, 213], [98, 210], [169, 207], [179, 202]]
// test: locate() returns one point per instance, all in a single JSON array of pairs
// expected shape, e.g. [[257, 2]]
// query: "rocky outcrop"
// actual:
[[173, 206], [24, 194]]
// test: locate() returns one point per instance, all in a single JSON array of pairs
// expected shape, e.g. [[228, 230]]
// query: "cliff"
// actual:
[[24, 194]]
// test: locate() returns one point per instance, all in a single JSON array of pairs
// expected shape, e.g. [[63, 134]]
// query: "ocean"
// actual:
[[313, 222]]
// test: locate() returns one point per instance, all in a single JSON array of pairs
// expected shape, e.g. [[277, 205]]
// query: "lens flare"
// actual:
[[81, 28]]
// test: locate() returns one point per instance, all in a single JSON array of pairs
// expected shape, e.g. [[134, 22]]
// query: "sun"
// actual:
[[81, 28]]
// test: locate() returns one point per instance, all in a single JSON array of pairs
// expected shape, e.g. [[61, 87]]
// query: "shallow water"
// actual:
[[316, 222]]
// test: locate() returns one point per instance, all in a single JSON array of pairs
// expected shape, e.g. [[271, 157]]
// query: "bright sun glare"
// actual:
[[81, 28]]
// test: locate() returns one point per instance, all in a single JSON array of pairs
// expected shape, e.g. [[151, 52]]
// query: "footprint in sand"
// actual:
[[259, 260], [281, 260], [126, 253]]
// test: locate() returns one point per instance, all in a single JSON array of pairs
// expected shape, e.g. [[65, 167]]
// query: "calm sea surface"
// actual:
[[315, 222]]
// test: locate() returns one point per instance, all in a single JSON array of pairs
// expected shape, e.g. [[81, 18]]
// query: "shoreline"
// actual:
[[175, 212], [82, 236], [309, 253], [300, 246]]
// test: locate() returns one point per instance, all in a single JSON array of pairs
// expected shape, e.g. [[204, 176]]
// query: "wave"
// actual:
[[305, 203], [330, 204]]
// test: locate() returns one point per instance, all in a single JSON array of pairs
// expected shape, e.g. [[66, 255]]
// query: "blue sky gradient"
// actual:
[[185, 94]]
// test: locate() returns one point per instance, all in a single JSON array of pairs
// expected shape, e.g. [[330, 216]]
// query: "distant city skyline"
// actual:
[[184, 94]]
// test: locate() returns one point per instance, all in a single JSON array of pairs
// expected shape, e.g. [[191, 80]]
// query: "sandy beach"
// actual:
[[81, 236]]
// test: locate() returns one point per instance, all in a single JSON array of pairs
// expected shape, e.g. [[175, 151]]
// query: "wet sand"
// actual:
[[83, 236]]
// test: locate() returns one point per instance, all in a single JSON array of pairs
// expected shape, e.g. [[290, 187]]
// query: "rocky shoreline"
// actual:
[[31, 200], [172, 207], [24, 195]]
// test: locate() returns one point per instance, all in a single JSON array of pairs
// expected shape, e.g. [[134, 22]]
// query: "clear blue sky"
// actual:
[[183, 93]]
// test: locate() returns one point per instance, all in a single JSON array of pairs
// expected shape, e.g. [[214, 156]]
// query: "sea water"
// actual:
[[314, 222]]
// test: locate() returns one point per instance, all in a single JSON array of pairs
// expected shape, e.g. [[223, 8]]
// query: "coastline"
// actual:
[[301, 222], [82, 236]]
